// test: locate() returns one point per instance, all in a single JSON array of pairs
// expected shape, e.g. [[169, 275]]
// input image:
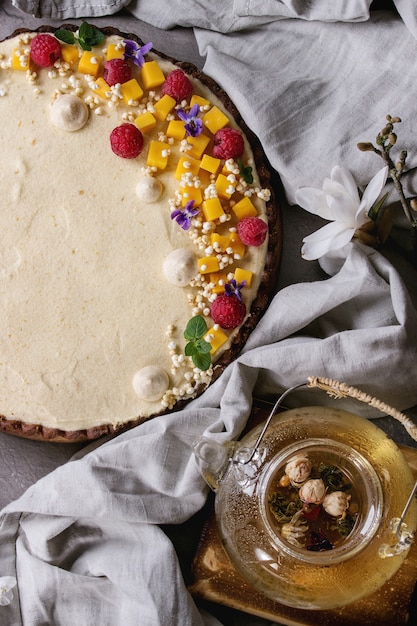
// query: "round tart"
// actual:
[[133, 197]]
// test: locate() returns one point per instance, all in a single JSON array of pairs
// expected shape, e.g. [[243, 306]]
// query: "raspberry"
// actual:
[[177, 85], [126, 141], [45, 50], [228, 311], [228, 144], [116, 71], [252, 231]]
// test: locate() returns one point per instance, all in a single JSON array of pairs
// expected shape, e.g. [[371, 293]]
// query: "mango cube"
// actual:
[[69, 53], [220, 242], [158, 154], [152, 75], [244, 208], [163, 107], [215, 119], [225, 189], [191, 193], [114, 51], [131, 91], [243, 275], [216, 337], [212, 209], [176, 129], [89, 63], [145, 122], [210, 164], [208, 264], [218, 279], [101, 88], [20, 60], [198, 145], [187, 165], [236, 244], [202, 102]]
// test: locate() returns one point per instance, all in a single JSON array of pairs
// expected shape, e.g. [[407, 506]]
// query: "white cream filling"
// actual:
[[84, 303]]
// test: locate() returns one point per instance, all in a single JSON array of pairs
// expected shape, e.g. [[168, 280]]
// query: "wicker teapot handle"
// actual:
[[336, 389]]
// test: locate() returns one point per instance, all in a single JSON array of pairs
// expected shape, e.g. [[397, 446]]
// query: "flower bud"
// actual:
[[313, 491], [366, 146], [298, 470], [386, 131], [392, 138], [336, 504]]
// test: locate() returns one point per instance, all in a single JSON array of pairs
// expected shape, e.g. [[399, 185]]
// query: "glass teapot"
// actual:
[[316, 507]]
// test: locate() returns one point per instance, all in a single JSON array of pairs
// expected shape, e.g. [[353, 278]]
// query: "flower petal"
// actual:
[[373, 189], [326, 232], [342, 205], [342, 238], [315, 250], [183, 115], [331, 237], [345, 178], [195, 110], [314, 201], [8, 582], [147, 47]]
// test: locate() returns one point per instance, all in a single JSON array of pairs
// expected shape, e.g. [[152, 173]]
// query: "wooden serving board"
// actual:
[[215, 579]]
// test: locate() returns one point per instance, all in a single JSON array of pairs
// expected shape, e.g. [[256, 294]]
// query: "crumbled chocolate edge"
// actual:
[[259, 304]]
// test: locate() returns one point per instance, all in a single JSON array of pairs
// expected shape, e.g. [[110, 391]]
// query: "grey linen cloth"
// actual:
[[84, 542]]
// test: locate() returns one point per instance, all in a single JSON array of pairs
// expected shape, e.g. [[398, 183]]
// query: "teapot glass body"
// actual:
[[312, 519]]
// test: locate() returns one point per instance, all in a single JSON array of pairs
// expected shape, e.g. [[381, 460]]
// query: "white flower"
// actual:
[[339, 202], [6, 585]]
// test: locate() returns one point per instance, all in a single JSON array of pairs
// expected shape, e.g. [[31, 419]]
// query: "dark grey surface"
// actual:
[[23, 462]]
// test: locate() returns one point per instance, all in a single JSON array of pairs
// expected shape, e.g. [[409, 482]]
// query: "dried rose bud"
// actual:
[[313, 491], [298, 470], [336, 504]]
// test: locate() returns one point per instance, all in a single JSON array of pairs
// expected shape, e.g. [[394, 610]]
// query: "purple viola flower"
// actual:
[[232, 288], [135, 52], [183, 216], [194, 125]]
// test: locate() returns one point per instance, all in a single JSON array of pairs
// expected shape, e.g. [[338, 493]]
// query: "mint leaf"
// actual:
[[190, 349], [245, 172], [85, 31], [67, 36], [197, 348], [88, 36], [202, 346], [196, 328], [202, 361]]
